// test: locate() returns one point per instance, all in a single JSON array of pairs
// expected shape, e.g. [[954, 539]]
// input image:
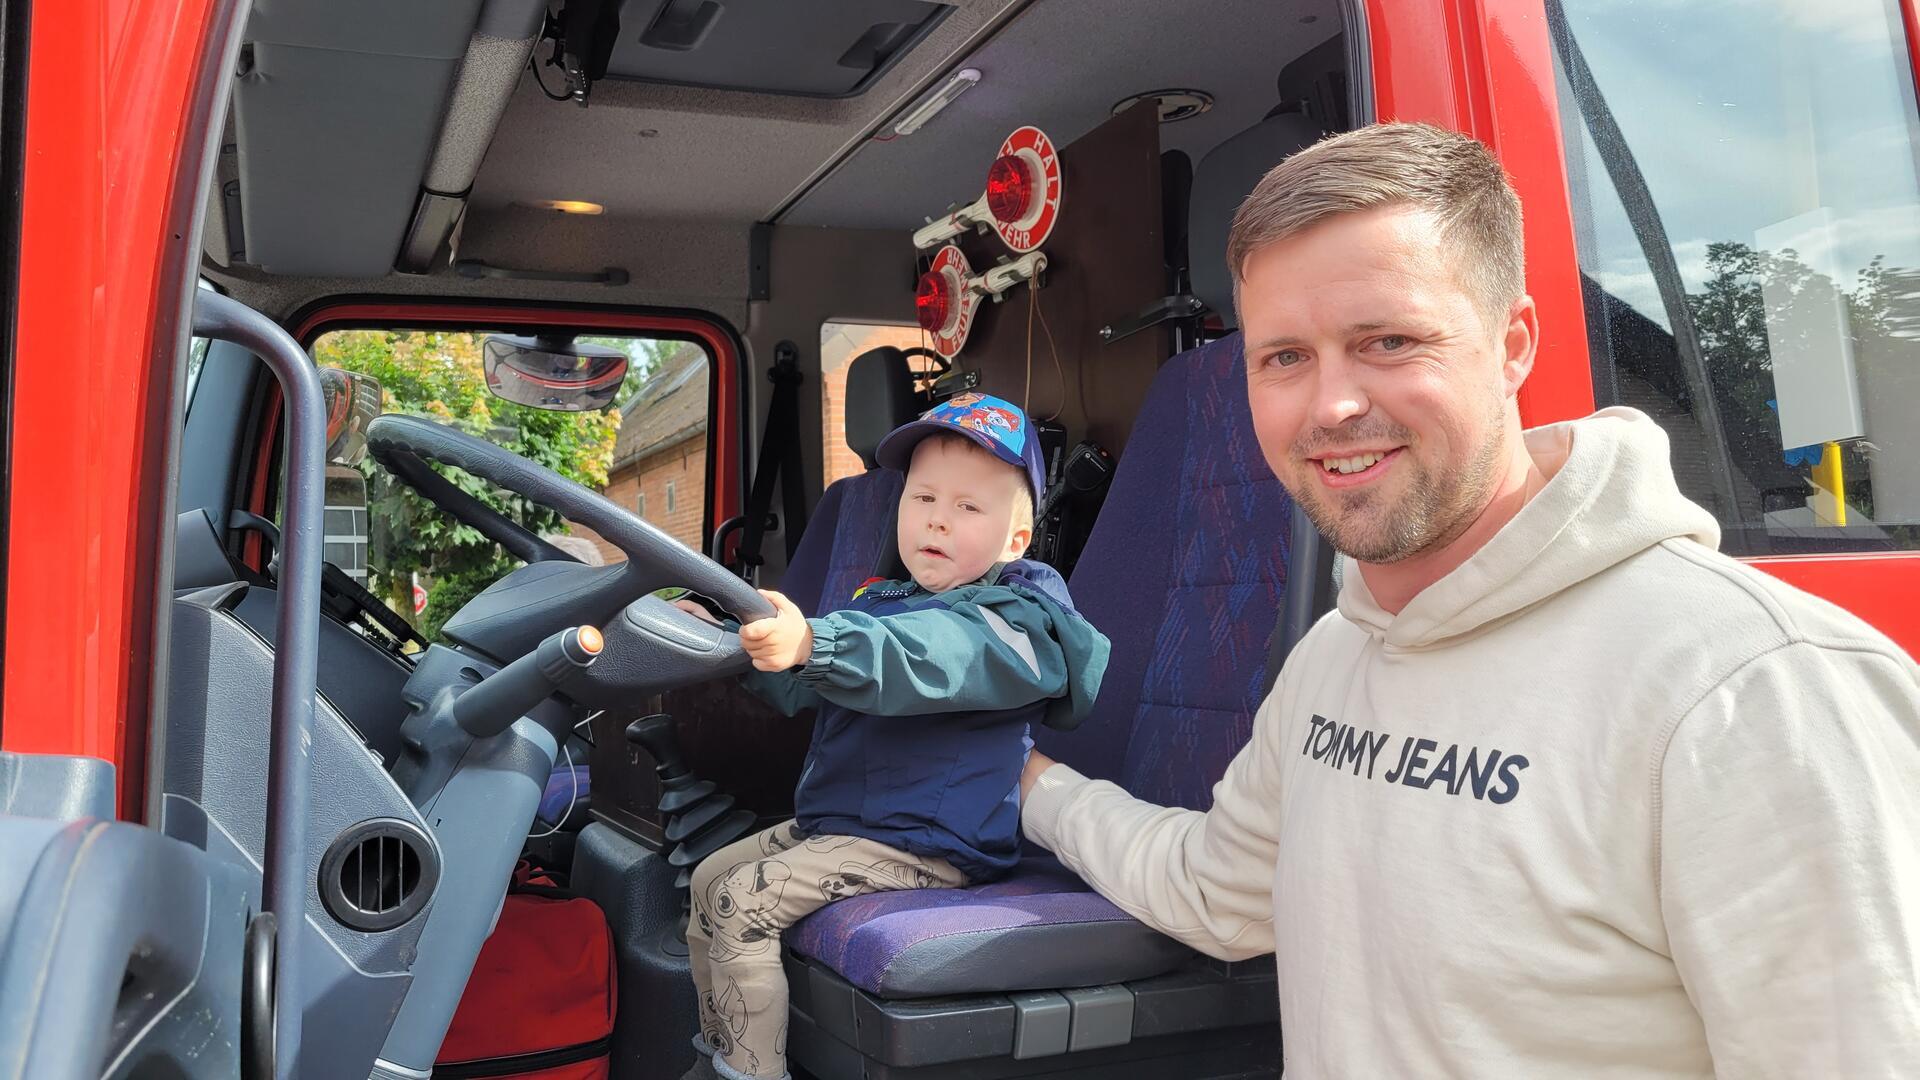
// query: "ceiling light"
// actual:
[[566, 206], [963, 80]]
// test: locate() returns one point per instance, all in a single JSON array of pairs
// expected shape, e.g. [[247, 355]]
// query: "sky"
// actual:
[[1743, 114]]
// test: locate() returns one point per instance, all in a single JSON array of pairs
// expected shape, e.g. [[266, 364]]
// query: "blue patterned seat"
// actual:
[[849, 535], [1185, 572], [844, 541]]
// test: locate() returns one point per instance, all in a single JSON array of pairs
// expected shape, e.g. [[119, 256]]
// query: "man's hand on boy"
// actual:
[[1037, 763], [781, 642]]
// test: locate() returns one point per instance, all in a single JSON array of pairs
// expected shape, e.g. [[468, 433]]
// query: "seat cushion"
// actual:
[[1039, 928]]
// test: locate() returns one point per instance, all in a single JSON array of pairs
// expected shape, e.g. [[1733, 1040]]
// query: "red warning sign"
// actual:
[[1033, 186], [947, 280]]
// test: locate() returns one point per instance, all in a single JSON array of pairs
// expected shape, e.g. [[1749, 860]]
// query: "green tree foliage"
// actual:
[[644, 354], [438, 376]]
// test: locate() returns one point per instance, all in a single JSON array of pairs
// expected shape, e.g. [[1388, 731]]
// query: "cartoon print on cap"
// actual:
[[967, 410]]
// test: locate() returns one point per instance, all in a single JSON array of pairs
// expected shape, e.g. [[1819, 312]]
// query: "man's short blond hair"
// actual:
[[1452, 176]]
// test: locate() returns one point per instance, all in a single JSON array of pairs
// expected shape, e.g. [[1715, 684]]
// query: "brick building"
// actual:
[[659, 468], [839, 343]]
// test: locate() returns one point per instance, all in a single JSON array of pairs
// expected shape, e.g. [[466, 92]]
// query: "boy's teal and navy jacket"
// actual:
[[924, 704]]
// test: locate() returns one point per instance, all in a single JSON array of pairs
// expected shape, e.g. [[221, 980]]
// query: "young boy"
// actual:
[[925, 689]]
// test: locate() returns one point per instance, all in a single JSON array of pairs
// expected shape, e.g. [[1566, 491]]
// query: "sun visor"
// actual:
[[337, 108], [496, 57]]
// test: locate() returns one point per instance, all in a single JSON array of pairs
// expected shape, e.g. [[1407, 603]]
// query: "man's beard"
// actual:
[[1432, 513]]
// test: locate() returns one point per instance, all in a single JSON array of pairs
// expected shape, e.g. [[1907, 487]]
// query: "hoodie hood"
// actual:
[[1612, 497]]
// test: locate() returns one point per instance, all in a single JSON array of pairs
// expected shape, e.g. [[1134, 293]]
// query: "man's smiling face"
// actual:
[[1378, 389]]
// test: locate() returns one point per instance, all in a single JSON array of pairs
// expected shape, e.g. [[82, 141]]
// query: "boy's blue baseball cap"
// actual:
[[998, 426]]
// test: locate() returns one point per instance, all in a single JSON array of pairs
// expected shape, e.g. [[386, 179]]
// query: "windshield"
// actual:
[[647, 453]]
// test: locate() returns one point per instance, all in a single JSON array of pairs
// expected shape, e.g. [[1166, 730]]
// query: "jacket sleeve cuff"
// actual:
[[826, 647], [1040, 814]]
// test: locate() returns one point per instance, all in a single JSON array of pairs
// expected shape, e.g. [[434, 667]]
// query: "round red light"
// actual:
[[1009, 189], [932, 302]]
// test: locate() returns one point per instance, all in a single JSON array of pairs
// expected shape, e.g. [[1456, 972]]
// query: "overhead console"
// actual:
[[768, 46]]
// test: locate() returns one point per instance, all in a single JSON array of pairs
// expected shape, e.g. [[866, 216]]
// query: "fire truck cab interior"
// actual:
[[759, 168], [732, 174]]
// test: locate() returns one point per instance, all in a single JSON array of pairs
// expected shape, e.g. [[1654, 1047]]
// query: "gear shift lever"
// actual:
[[655, 735]]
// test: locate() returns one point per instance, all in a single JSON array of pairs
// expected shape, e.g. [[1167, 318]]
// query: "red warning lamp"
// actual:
[[933, 301], [1009, 188]]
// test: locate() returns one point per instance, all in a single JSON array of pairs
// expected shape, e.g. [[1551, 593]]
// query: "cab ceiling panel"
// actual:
[[1063, 65], [768, 46], [336, 111], [655, 151]]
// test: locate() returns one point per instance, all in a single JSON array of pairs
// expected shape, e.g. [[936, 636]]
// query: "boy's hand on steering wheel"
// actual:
[[782, 642]]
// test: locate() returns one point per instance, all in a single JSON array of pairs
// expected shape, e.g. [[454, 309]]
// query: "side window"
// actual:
[[660, 460], [840, 342], [1746, 202], [652, 440], [196, 358]]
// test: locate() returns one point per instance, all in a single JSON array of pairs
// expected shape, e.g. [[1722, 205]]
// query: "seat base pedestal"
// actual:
[[1208, 1021]]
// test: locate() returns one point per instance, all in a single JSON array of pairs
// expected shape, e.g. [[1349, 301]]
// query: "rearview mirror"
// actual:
[[552, 372], [353, 399]]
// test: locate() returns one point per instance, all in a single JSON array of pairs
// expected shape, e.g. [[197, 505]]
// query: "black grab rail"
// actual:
[[297, 643]]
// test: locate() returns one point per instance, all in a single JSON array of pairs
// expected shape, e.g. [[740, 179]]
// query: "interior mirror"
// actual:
[[353, 400], [554, 373]]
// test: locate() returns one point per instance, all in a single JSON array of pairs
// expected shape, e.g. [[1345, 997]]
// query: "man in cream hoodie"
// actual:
[[1559, 791]]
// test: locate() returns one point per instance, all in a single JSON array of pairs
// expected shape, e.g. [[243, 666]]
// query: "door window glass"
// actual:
[[1747, 214]]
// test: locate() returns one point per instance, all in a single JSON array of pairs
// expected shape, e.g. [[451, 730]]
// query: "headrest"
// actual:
[[1221, 182], [880, 398]]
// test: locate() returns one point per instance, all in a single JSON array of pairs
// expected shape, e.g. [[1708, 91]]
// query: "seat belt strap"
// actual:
[[779, 460]]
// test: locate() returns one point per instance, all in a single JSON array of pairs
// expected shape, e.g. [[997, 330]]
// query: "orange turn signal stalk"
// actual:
[[490, 706]]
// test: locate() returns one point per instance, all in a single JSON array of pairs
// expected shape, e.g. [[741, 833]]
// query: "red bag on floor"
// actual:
[[540, 1003]]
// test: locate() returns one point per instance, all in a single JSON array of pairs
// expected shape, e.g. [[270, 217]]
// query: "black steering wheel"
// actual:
[[554, 590]]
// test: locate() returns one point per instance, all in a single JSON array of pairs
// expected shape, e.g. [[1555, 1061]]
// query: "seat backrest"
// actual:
[[848, 534], [846, 538], [1185, 572]]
